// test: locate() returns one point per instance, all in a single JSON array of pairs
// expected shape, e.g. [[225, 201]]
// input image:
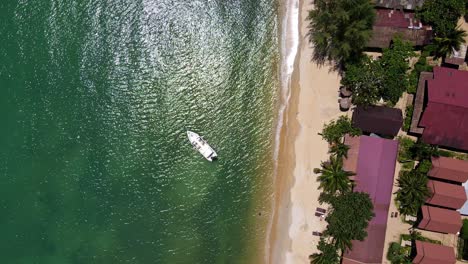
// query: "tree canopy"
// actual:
[[366, 81], [348, 218], [385, 78], [448, 42], [412, 192], [327, 255], [333, 179], [340, 29], [334, 131], [442, 15]]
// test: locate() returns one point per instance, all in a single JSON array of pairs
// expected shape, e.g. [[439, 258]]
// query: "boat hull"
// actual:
[[202, 146]]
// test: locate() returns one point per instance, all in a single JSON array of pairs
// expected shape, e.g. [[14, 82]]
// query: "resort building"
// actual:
[[373, 160], [428, 253], [380, 120], [449, 170], [451, 196], [440, 220], [443, 91], [390, 23]]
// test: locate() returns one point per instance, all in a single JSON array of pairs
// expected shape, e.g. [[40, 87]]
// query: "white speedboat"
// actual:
[[202, 146]]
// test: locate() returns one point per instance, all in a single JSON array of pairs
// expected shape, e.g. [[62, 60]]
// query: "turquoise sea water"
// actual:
[[95, 100]]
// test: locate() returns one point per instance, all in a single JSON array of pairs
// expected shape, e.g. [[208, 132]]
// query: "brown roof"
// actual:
[[449, 169], [390, 23], [440, 220], [378, 119], [419, 102], [428, 253], [446, 194]]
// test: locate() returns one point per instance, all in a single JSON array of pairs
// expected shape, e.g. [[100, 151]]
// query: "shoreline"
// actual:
[[312, 102]]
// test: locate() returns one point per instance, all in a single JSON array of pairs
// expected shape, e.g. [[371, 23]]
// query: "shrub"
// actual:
[[464, 229], [408, 116], [334, 131], [404, 153], [397, 254]]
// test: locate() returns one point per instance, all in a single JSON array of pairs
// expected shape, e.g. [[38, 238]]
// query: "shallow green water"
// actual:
[[95, 100]]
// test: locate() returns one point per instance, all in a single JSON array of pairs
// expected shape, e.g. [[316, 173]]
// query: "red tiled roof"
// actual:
[[446, 194], [447, 94], [374, 175], [440, 220], [449, 169], [428, 253]]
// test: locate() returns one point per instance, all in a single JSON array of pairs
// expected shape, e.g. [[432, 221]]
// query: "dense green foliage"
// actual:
[[385, 78], [339, 150], [348, 218], [394, 62], [334, 131], [442, 15], [398, 254], [404, 154], [410, 150], [420, 66], [366, 81], [333, 179], [340, 29], [328, 254], [412, 192], [408, 117], [448, 42], [464, 230]]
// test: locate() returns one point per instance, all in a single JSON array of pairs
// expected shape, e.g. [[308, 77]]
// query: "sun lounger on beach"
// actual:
[[315, 233], [318, 214], [321, 210]]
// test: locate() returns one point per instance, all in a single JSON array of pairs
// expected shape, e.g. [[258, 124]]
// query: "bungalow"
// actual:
[[380, 120], [441, 108], [448, 169], [390, 23], [428, 253], [447, 195], [440, 220], [373, 160]]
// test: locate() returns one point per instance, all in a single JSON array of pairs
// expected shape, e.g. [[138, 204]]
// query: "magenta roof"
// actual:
[[374, 175], [447, 94]]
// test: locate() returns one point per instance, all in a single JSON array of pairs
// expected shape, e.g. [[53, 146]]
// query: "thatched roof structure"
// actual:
[[390, 23]]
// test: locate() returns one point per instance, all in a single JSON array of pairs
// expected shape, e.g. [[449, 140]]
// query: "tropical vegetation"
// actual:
[[398, 254], [340, 29], [327, 255], [334, 131], [420, 66], [442, 15], [412, 192], [333, 179], [348, 219], [448, 42], [385, 78]]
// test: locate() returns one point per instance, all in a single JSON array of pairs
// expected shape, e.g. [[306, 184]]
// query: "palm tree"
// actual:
[[448, 42], [332, 177], [340, 29], [412, 192], [328, 254], [340, 150]]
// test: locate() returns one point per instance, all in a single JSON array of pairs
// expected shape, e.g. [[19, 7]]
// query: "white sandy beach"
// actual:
[[313, 102]]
